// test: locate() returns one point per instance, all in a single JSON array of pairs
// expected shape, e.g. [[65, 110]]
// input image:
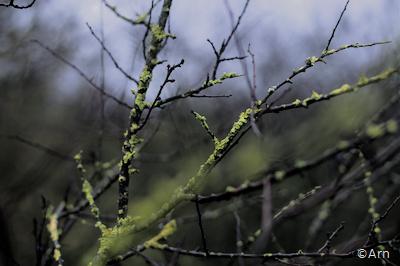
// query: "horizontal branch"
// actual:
[[264, 256]]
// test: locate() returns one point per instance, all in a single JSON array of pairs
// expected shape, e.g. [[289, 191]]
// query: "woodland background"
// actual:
[[48, 113]]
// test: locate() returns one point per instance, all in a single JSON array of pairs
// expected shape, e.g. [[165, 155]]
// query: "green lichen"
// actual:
[[140, 101], [213, 82], [127, 157], [141, 18], [57, 254], [203, 121], [279, 175], [159, 34], [230, 189], [229, 75], [342, 89], [226, 75], [88, 192], [316, 96], [312, 60], [392, 126], [167, 231], [343, 144], [300, 163], [362, 81], [79, 164], [375, 131], [145, 77], [52, 227], [297, 102], [329, 52]]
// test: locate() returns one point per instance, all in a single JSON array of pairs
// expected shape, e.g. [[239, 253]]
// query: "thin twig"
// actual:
[[116, 64], [40, 147], [331, 236], [337, 24], [82, 74], [13, 5], [203, 236]]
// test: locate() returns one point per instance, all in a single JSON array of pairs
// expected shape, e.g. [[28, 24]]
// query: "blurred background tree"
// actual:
[[48, 113]]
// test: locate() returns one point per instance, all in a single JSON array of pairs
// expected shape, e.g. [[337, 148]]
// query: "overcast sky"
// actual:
[[275, 28]]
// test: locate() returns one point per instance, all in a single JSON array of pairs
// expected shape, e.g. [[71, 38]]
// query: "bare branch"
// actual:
[[82, 74], [16, 6], [101, 42], [337, 24]]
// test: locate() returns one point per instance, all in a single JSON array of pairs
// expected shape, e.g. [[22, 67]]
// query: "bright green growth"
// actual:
[[226, 75], [88, 192], [201, 118], [167, 231], [140, 93], [279, 175], [230, 189], [315, 96], [375, 131], [236, 127], [229, 75], [343, 144], [87, 189], [203, 122], [141, 18], [297, 102], [79, 164], [140, 101], [57, 254], [159, 34], [312, 60], [52, 228], [342, 89], [392, 126], [328, 52], [362, 81], [145, 77], [370, 192], [345, 88]]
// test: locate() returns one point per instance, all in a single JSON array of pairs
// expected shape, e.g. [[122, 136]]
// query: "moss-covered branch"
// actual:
[[345, 88], [131, 139]]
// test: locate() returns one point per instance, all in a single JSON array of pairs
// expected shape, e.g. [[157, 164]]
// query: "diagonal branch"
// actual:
[[337, 24], [82, 74], [103, 46]]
